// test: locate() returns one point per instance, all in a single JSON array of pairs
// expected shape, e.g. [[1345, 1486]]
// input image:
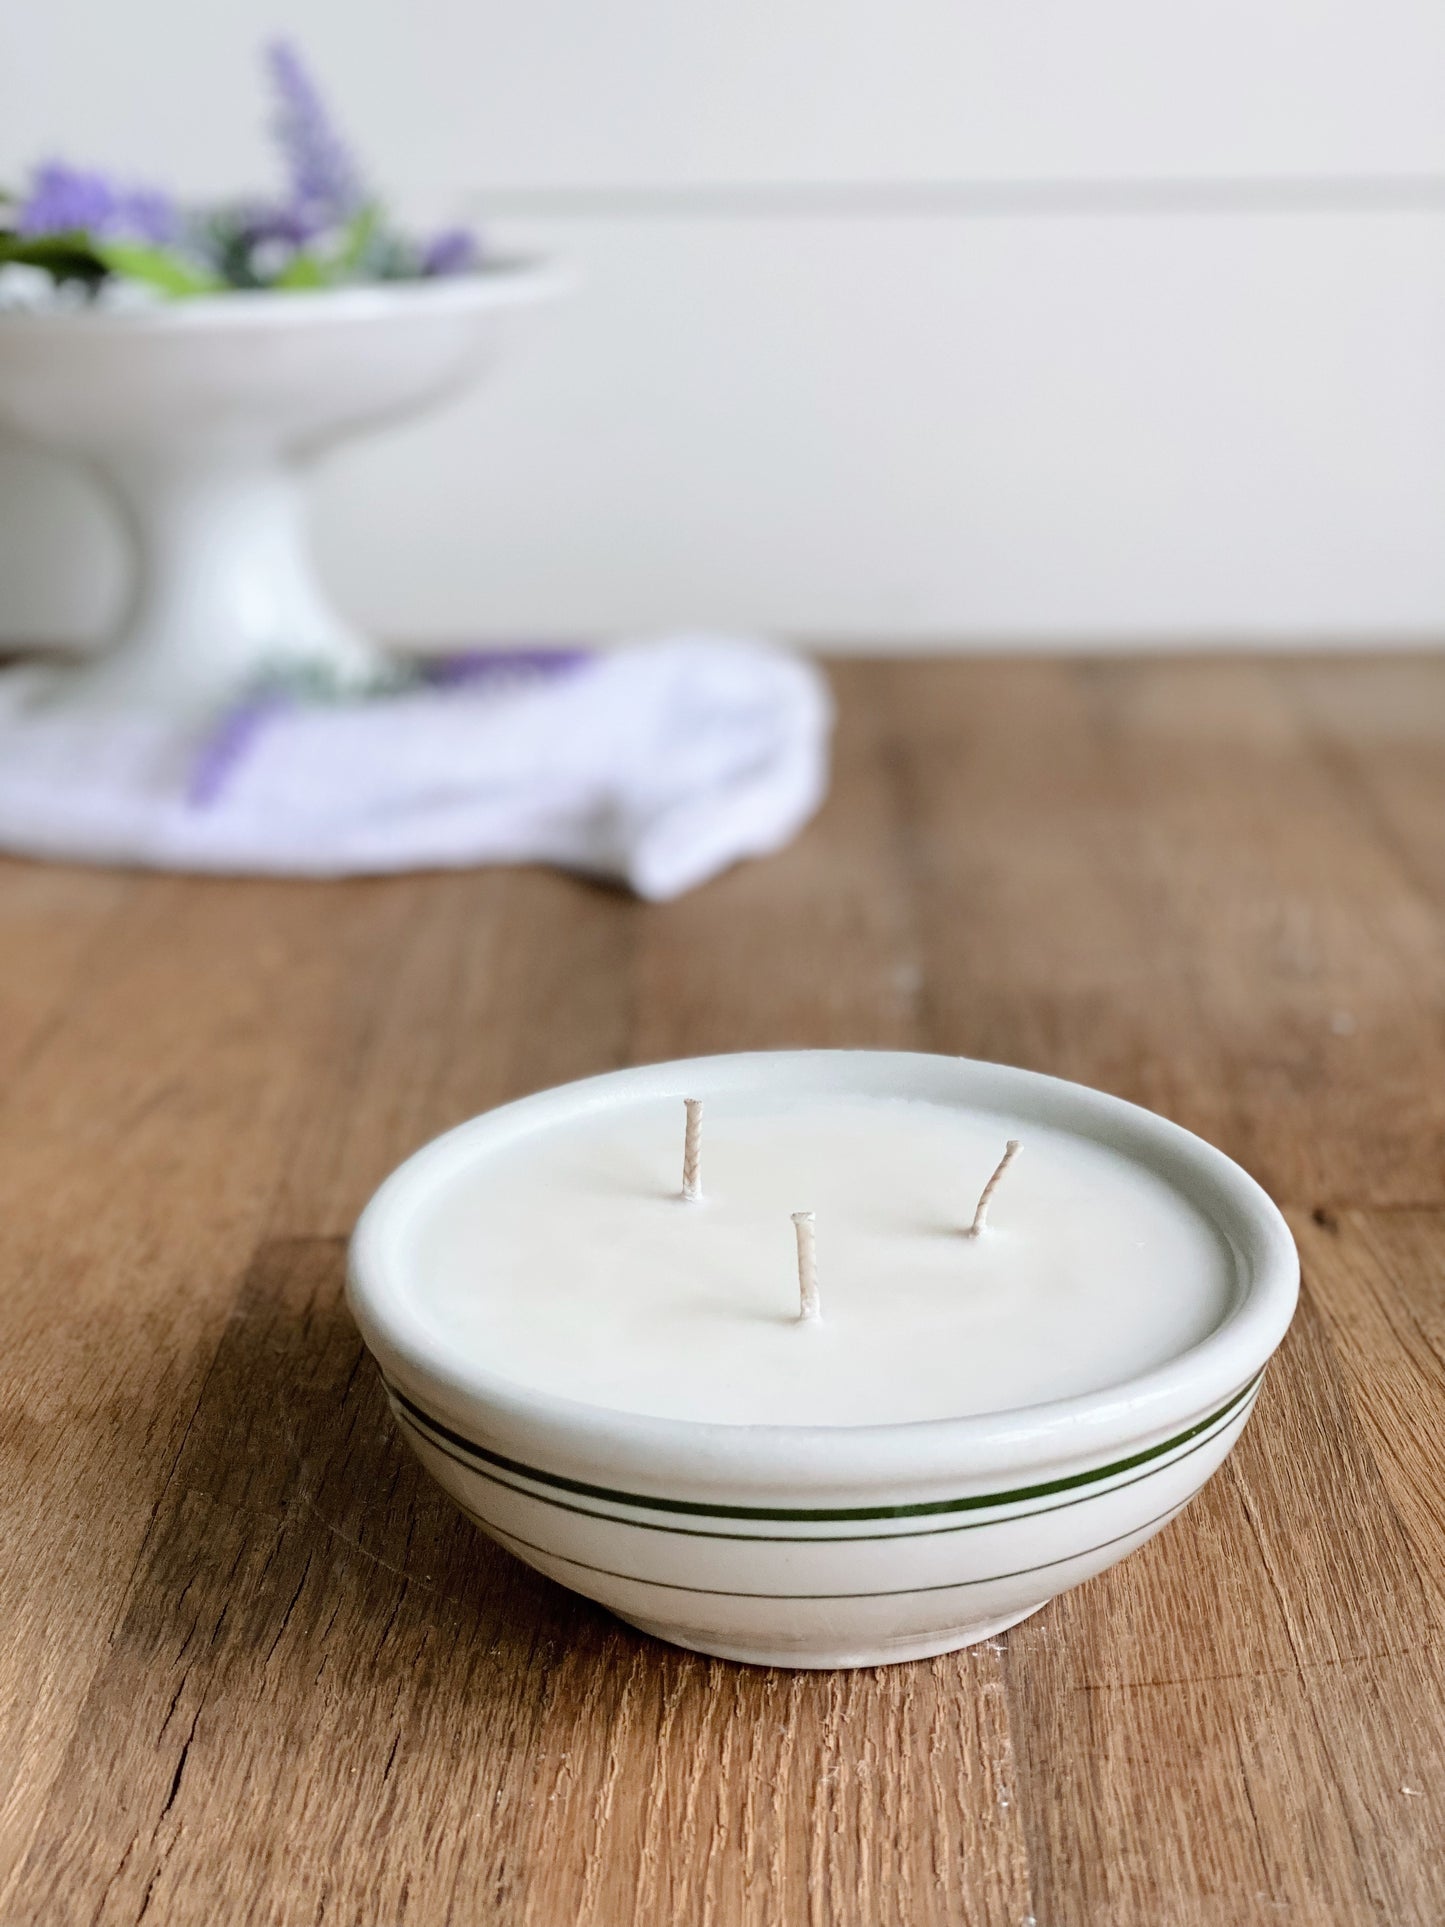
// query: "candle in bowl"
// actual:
[[807, 1404]]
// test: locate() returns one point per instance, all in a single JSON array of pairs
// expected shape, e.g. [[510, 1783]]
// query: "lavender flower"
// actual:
[[455, 251], [77, 200], [65, 200], [326, 186], [256, 221]]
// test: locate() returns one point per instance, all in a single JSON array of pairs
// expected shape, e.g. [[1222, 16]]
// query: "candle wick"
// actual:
[[809, 1310], [692, 1151], [980, 1216]]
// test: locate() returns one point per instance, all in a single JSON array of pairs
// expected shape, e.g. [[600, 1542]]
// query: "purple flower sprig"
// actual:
[[454, 251], [77, 200], [325, 183]]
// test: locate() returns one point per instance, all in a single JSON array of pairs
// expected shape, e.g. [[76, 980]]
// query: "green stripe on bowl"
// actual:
[[1233, 1416], [821, 1515], [895, 1592]]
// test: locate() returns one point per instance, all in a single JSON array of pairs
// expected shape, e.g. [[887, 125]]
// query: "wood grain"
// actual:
[[253, 1668]]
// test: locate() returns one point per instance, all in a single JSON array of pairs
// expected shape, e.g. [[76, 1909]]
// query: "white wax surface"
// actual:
[[566, 1260]]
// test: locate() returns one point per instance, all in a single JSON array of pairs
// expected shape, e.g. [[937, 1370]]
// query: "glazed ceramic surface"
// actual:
[[202, 418], [825, 1546]]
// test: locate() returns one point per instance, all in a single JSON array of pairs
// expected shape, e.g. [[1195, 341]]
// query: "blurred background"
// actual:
[[932, 325]]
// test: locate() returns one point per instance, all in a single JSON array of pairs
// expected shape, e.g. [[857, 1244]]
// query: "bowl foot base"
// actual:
[[820, 1658]]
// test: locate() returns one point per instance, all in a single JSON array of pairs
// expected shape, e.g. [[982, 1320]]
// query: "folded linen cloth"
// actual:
[[657, 765]]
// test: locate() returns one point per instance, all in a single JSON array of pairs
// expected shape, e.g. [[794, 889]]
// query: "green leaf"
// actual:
[[170, 274], [66, 257], [359, 234], [303, 271]]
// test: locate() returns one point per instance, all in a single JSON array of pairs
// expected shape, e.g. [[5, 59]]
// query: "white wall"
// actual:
[[923, 321]]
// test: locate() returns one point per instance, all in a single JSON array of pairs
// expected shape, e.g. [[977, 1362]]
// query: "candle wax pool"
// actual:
[[566, 1260]]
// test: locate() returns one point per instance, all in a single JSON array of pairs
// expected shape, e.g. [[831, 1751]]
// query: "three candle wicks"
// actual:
[[805, 1223]]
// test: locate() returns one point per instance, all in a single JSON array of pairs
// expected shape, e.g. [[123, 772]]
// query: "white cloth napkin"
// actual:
[[656, 765]]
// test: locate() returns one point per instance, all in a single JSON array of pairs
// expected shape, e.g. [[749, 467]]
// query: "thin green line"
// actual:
[[825, 1515], [899, 1592], [812, 1539]]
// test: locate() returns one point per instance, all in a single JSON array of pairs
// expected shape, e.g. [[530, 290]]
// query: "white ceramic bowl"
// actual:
[[830, 1545], [202, 418]]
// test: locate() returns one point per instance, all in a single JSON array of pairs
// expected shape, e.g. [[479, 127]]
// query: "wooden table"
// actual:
[[252, 1666]]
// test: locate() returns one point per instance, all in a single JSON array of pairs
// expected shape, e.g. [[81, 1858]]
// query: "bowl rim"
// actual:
[[503, 283], [674, 1455]]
